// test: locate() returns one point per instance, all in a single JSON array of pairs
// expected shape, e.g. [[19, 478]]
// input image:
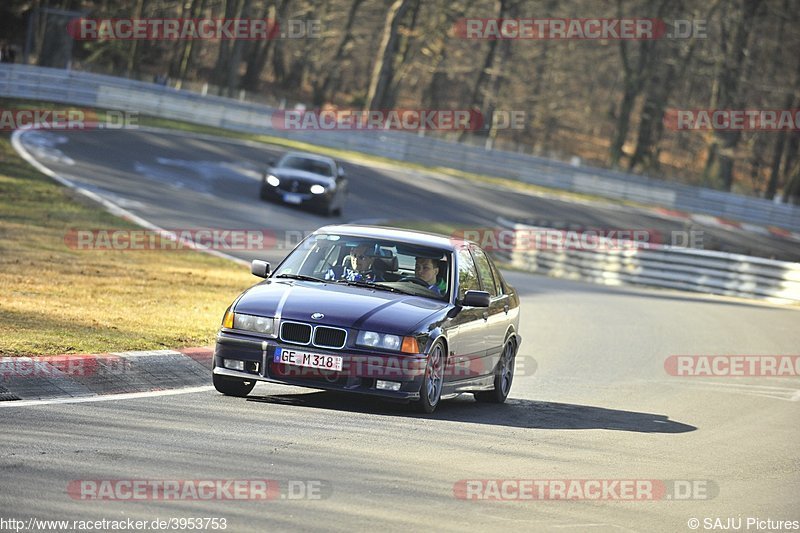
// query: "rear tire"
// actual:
[[503, 378], [233, 386]]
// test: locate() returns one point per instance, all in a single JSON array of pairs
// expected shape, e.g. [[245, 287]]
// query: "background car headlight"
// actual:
[[259, 324], [273, 180], [317, 189], [378, 340]]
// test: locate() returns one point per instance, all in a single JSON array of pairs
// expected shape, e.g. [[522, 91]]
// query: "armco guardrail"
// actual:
[[86, 89], [661, 266]]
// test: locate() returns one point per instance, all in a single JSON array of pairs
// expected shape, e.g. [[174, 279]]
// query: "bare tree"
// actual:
[[734, 42], [138, 10], [384, 68], [187, 49], [633, 80], [259, 52], [326, 84]]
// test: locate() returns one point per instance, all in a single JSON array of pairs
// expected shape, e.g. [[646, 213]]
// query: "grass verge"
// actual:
[[57, 300]]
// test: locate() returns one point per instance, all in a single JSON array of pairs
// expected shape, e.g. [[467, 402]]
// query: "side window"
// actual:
[[485, 271], [501, 287], [467, 276]]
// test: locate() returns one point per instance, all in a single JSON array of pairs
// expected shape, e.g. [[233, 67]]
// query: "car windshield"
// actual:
[[381, 264], [314, 166]]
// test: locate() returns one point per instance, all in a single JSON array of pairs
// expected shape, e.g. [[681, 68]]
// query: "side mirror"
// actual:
[[476, 299], [341, 172], [259, 268]]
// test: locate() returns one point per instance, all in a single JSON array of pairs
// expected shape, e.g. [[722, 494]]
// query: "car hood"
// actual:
[[301, 175], [343, 305]]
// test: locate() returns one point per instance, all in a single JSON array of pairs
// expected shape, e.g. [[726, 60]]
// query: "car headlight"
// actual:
[[259, 324], [317, 189], [384, 341], [273, 180]]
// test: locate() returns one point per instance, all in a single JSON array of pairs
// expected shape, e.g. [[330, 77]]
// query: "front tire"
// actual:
[[503, 378], [430, 393], [233, 386]]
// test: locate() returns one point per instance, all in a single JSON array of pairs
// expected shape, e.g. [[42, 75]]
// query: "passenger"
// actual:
[[427, 270]]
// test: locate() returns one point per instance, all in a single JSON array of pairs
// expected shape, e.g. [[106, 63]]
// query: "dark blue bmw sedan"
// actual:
[[405, 315]]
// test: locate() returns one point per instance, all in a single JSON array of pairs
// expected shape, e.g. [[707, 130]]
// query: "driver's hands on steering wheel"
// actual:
[[416, 280]]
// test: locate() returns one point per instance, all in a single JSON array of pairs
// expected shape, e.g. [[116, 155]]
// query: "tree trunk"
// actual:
[[777, 155], [659, 90], [791, 169], [235, 61], [734, 51], [304, 60], [278, 57], [487, 69], [133, 51], [383, 71], [401, 64], [325, 87], [233, 9], [188, 46], [633, 83], [623, 119], [496, 82], [257, 58], [537, 113]]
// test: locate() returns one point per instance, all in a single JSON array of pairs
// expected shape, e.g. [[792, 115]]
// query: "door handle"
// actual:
[[486, 315], [505, 308]]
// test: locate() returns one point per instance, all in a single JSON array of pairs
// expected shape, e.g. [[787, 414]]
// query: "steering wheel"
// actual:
[[416, 280]]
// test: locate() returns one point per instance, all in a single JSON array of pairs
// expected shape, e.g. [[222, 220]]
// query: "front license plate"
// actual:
[[292, 198], [308, 359]]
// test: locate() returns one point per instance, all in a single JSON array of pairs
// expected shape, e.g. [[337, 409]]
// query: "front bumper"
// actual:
[[360, 369]]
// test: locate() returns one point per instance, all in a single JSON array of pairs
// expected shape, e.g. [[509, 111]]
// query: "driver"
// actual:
[[360, 268], [427, 270]]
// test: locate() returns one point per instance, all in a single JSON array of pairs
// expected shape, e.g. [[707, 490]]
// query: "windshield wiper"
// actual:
[[301, 277], [373, 285]]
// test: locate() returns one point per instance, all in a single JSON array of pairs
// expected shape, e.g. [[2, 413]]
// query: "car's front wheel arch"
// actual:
[[432, 385]]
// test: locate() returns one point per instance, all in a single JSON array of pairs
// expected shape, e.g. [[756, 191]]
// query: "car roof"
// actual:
[[307, 155], [420, 238]]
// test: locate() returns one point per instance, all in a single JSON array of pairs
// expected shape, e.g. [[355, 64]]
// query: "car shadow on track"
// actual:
[[516, 413]]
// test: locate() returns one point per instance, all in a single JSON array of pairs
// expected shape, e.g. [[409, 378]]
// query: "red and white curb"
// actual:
[[87, 377], [724, 223]]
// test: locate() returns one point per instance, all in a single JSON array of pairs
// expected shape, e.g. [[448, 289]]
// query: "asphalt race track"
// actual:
[[596, 405], [178, 181]]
